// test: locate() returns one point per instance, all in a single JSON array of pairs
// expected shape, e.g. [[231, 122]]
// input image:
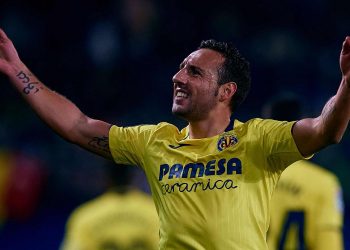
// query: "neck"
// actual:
[[211, 126]]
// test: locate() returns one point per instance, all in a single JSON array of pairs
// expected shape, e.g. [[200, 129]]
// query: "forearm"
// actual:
[[54, 109], [313, 134], [63, 116], [58, 112], [335, 115]]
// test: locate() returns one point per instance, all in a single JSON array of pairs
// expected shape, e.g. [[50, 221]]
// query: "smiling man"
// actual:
[[211, 181]]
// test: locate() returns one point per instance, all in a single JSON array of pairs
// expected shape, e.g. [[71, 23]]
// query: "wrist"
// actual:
[[346, 80], [15, 68]]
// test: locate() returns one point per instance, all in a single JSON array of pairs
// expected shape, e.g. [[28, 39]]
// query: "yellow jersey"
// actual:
[[306, 209], [210, 193], [113, 220]]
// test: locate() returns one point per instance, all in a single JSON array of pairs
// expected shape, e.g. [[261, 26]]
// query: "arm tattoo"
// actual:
[[328, 109], [30, 87], [100, 143]]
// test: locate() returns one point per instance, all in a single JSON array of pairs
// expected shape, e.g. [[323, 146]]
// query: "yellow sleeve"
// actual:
[[330, 218], [278, 144], [127, 144], [330, 238], [332, 203]]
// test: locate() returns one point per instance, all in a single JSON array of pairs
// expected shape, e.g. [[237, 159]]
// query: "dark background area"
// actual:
[[115, 60]]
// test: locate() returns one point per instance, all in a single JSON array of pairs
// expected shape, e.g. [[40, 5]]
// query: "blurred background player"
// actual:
[[307, 205], [123, 218], [22, 182]]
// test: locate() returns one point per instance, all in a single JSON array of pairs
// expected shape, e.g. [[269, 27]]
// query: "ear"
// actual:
[[227, 90]]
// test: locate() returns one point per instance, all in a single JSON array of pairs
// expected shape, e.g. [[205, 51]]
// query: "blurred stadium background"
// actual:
[[115, 60]]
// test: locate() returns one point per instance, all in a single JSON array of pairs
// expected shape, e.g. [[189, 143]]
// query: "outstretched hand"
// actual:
[[345, 59], [9, 58]]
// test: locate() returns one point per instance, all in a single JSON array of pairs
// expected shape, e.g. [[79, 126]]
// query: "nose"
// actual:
[[180, 77]]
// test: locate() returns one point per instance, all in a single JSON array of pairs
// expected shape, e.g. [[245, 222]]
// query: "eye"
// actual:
[[194, 71]]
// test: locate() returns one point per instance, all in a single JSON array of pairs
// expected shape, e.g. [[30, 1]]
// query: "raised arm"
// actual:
[[59, 113], [313, 134]]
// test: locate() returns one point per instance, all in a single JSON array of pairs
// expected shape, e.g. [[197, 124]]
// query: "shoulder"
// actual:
[[165, 127], [259, 125], [99, 202], [144, 128], [84, 212], [312, 171], [313, 168]]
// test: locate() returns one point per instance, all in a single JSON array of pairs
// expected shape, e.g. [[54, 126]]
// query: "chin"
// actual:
[[179, 112]]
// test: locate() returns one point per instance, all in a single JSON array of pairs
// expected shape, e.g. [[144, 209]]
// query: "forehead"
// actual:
[[205, 59]]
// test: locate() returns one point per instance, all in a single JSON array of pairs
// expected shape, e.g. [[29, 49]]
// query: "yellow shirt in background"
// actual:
[[126, 221], [306, 209]]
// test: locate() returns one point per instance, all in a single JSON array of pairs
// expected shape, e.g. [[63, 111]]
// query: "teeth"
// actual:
[[181, 94]]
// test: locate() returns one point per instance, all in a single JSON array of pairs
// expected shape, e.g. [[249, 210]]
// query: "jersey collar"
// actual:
[[231, 124]]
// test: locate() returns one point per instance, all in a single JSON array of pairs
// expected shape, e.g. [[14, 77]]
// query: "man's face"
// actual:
[[195, 85]]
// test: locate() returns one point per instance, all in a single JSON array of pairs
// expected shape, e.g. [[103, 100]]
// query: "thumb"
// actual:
[[346, 46], [3, 36]]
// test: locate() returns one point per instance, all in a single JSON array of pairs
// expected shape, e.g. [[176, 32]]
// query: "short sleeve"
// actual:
[[331, 205], [278, 143], [127, 144]]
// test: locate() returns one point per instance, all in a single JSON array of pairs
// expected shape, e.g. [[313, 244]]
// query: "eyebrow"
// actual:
[[192, 67], [182, 65]]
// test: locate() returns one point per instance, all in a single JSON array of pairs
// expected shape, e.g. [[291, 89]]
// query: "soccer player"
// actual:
[[212, 180], [122, 218], [307, 205]]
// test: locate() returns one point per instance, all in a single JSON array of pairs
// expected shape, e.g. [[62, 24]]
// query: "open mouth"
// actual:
[[181, 94]]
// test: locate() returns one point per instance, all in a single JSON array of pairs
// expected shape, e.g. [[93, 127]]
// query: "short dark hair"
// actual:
[[120, 175], [284, 107], [235, 68]]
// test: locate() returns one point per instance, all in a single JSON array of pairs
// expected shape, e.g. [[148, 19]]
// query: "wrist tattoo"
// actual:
[[100, 143], [30, 87]]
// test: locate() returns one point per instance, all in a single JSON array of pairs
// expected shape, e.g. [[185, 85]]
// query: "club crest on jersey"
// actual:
[[226, 141]]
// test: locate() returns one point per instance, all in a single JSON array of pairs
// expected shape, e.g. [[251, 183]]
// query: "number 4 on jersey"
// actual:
[[294, 220]]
